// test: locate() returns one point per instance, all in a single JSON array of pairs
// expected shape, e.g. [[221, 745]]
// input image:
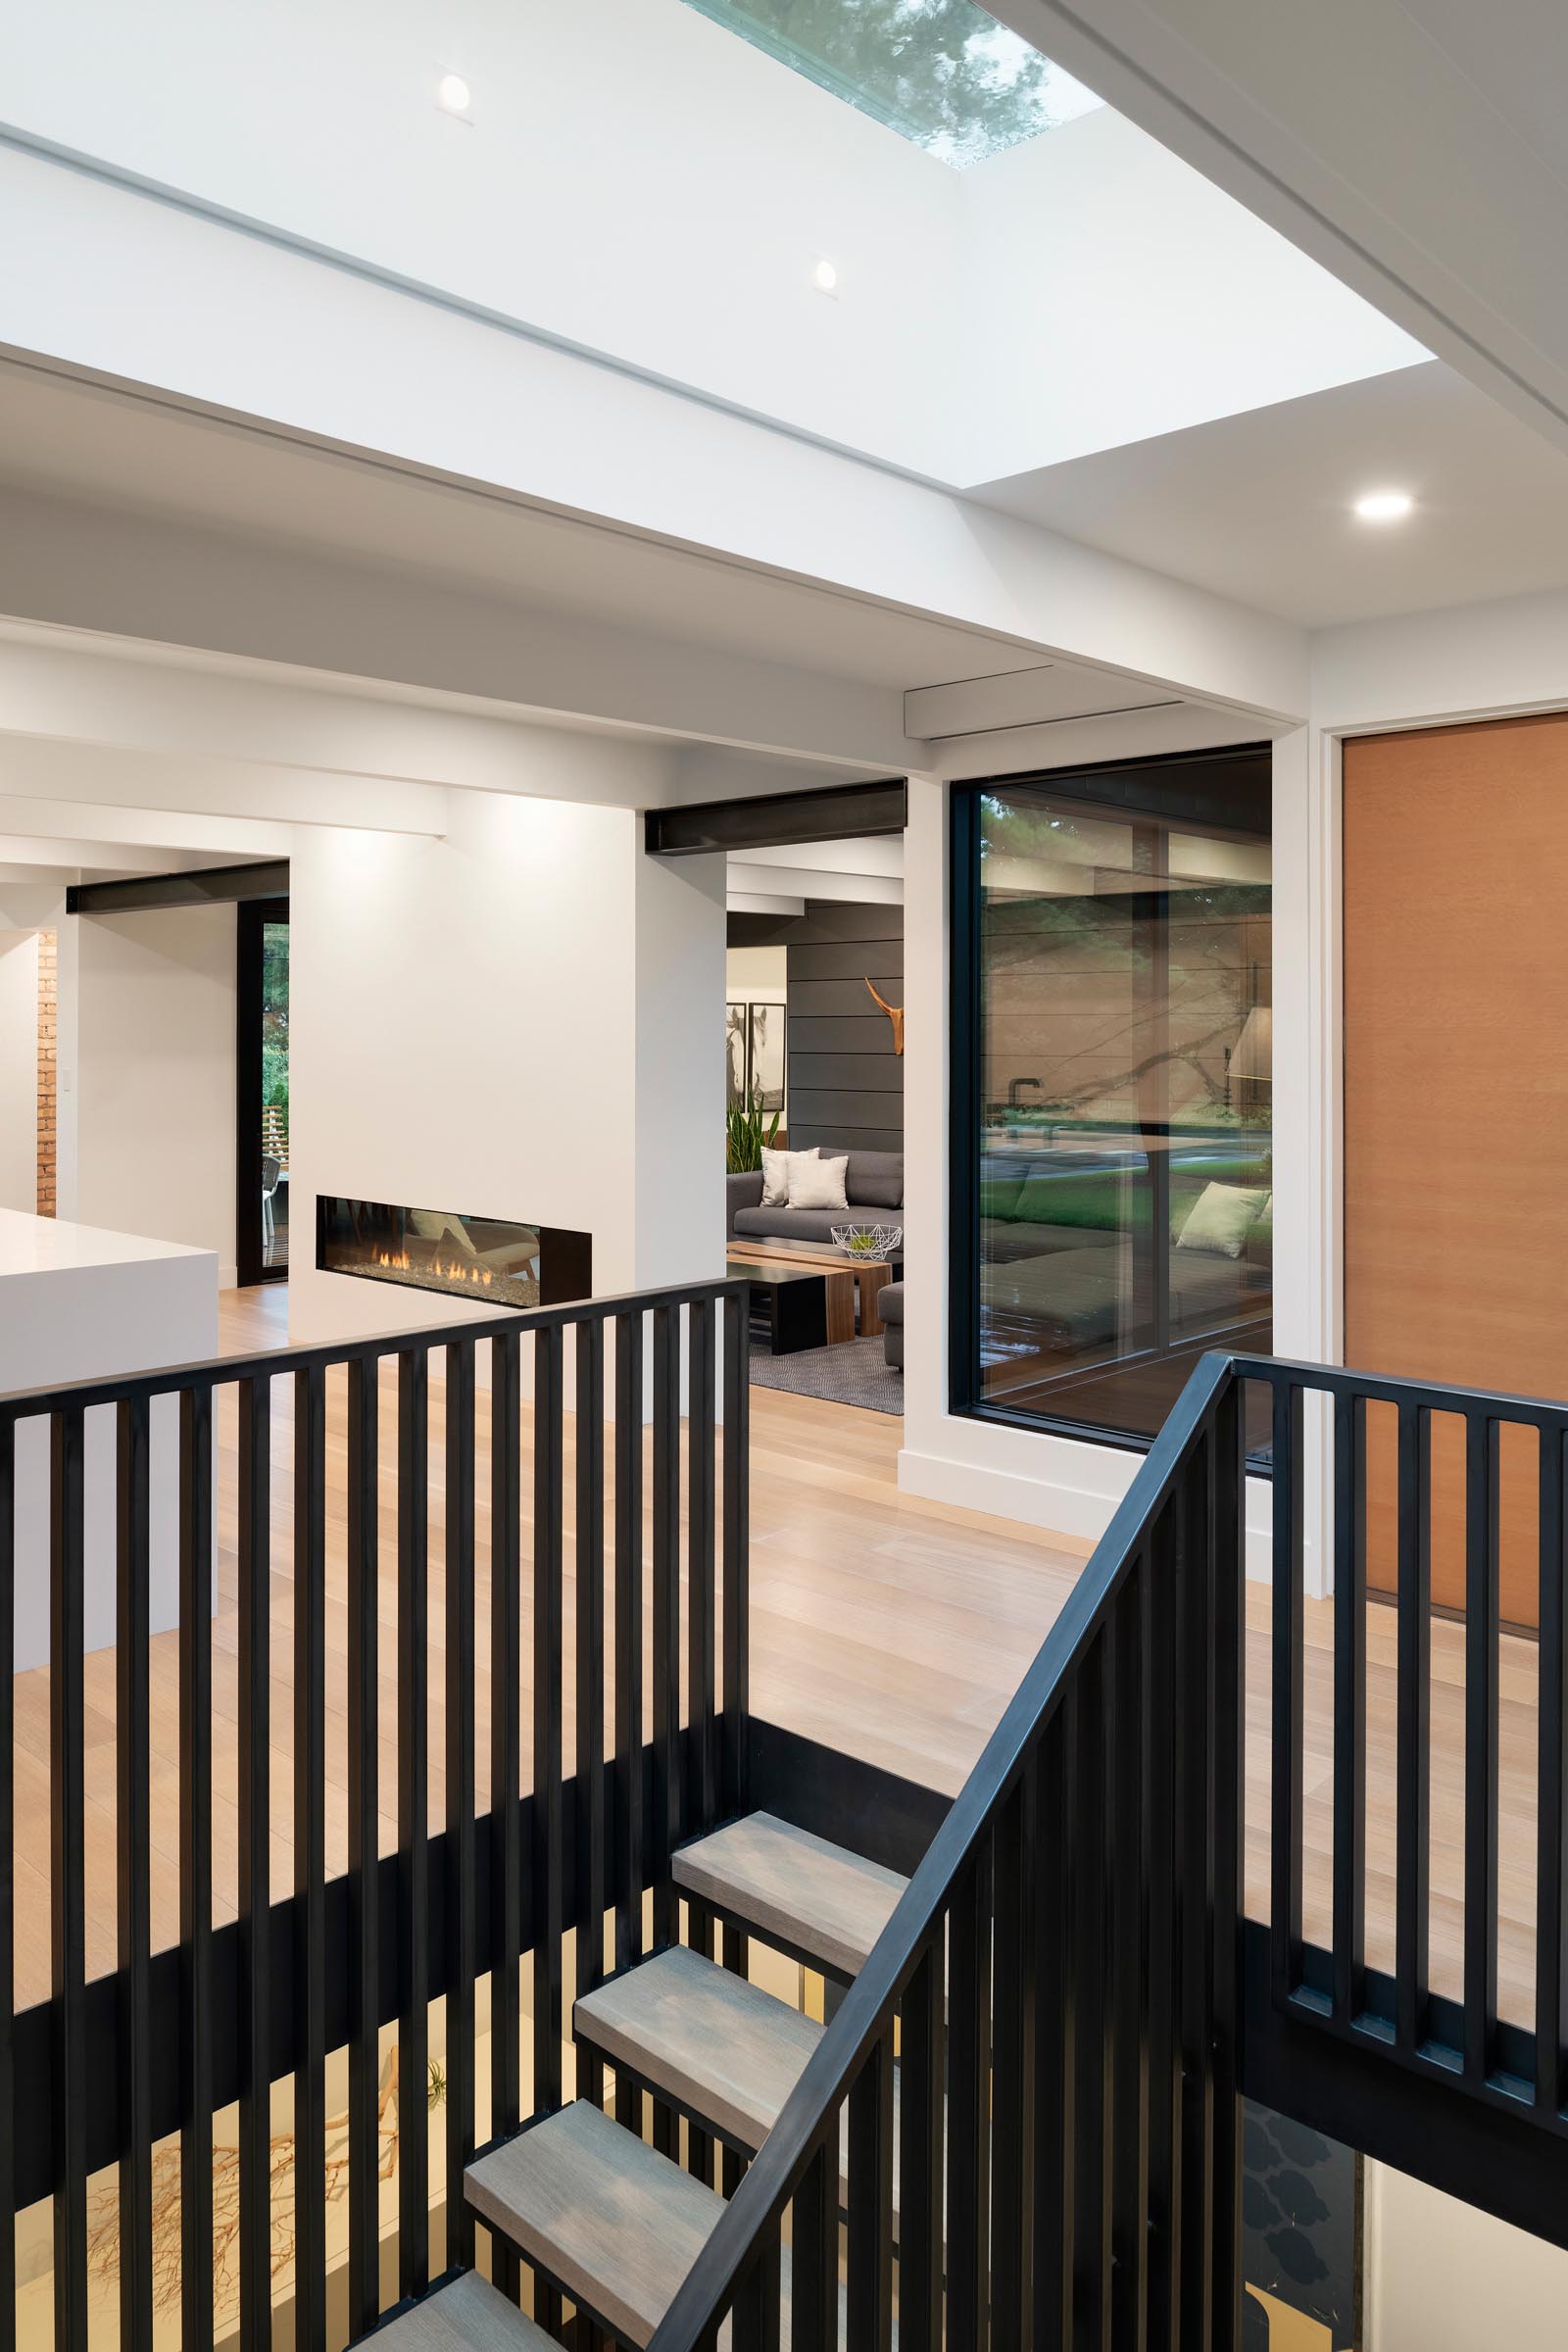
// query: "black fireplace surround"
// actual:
[[493, 1260]]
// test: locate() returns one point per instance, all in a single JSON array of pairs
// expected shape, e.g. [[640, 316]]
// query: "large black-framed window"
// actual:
[[1112, 1170], [262, 1099]]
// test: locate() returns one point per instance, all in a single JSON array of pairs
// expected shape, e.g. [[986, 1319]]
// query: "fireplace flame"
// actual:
[[455, 1271]]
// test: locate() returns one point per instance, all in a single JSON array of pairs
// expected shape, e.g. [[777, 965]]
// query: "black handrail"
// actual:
[[808, 2124]]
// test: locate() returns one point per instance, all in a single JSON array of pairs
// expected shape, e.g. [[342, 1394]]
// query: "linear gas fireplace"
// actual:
[[491, 1260]]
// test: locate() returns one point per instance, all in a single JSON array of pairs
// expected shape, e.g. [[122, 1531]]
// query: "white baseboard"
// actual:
[[1075, 1510]]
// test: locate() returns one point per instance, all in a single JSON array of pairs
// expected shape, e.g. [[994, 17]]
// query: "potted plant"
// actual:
[[747, 1136]]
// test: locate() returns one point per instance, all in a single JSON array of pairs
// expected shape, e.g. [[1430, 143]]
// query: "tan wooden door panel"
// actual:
[[1456, 943]]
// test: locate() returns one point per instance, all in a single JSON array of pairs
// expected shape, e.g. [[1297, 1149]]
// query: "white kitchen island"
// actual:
[[79, 1302]]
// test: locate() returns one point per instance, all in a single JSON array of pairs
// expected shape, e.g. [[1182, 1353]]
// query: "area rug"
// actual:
[[856, 1372]]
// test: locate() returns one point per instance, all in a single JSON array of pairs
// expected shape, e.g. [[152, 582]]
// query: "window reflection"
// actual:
[[1126, 1145]]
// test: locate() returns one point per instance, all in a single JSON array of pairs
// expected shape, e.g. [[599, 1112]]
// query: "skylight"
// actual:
[[942, 72]]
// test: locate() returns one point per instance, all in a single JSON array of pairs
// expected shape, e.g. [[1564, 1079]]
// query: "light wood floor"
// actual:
[[889, 1627]]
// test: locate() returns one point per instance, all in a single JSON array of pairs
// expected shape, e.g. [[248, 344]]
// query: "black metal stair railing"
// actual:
[[1062, 1978], [1501, 1459], [1071, 1984], [108, 2065]]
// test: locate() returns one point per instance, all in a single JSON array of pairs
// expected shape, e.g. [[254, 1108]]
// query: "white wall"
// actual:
[[18, 1069], [1444, 2277], [155, 1077], [520, 1020], [756, 975]]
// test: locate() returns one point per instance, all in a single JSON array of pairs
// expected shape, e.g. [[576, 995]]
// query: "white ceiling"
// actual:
[[1418, 149], [1257, 507]]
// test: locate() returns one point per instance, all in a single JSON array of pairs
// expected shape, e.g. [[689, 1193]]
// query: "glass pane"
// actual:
[[943, 73], [274, 1093], [1125, 1145]]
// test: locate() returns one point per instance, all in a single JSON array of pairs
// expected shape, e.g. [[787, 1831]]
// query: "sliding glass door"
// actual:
[[1113, 1157], [262, 1207]]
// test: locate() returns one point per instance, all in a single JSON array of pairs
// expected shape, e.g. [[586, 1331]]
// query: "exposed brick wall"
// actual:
[[48, 1041]]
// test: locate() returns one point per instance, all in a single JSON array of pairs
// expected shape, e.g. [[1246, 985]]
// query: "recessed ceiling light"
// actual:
[[1384, 506], [453, 94], [825, 278]]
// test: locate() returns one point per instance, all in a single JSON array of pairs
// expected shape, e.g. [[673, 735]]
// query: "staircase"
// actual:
[[601, 2216]]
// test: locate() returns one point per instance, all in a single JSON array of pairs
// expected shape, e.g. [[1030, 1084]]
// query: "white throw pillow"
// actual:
[[776, 1175], [1222, 1217], [816, 1183]]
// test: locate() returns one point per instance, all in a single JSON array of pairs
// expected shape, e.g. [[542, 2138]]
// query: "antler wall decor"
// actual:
[[895, 1014]]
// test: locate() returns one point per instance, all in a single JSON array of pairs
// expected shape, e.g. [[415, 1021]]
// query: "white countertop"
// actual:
[[48, 1245]]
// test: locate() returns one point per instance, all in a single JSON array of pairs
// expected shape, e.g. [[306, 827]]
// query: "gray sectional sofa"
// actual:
[[873, 1189], [1056, 1254]]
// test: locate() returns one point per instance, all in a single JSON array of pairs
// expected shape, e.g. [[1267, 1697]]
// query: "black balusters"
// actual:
[[461, 1950], [1088, 1813], [1012, 2072], [414, 1800], [545, 1887], [364, 1854], [922, 2129], [666, 1616], [737, 1394], [133, 1863], [1349, 1703], [968, 2108], [1285, 1846], [630, 1857], [1551, 1814], [589, 1581], [1195, 1869], [1055, 2037], [67, 1864], [310, 1858], [252, 1406], [196, 1865], [1482, 1436], [869, 2299], [1160, 1782], [505, 1762], [814, 2252], [1225, 1502], [1129, 1977], [1413, 1734]]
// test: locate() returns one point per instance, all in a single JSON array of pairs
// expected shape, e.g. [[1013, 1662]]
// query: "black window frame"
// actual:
[[1203, 788], [251, 917]]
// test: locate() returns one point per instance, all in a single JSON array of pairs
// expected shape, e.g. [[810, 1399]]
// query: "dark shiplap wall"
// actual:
[[846, 1083]]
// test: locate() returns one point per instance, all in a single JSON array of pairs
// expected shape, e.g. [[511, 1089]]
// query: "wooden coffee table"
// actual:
[[840, 1273]]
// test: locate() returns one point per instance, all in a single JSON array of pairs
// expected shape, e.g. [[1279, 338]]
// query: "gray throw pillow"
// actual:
[[876, 1179]]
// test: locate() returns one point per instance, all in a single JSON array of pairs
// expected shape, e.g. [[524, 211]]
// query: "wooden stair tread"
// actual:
[[469, 2315], [816, 1898], [717, 2046], [617, 2225]]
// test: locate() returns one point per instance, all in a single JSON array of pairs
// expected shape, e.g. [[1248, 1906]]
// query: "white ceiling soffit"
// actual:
[[752, 901], [785, 881], [1417, 148], [1258, 507], [1022, 698], [860, 855], [78, 441]]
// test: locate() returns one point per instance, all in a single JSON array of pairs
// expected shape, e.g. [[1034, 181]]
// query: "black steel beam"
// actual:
[[778, 819], [201, 886]]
